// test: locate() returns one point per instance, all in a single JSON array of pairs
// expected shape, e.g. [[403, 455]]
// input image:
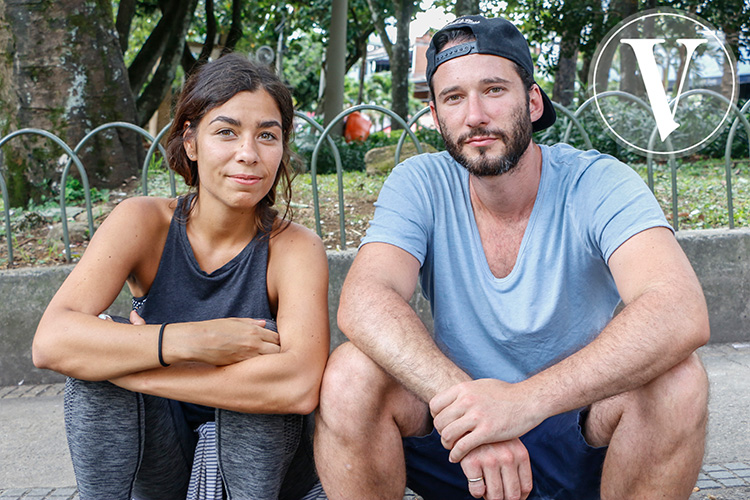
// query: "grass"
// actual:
[[702, 192], [701, 187]]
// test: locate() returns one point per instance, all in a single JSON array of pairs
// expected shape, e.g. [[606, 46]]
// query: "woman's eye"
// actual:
[[268, 136], [225, 132]]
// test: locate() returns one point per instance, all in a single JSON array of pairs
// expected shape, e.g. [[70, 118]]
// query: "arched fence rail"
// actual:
[[566, 117]]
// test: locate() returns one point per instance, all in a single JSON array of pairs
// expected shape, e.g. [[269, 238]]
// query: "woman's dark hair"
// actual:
[[212, 85]]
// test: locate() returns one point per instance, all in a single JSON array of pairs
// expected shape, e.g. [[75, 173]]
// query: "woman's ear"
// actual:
[[188, 141]]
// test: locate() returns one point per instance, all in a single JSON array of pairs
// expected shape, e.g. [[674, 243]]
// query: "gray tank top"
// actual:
[[183, 292]]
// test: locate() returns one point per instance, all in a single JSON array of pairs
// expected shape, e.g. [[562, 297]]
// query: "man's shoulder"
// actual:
[[441, 159], [570, 156], [572, 164], [427, 167]]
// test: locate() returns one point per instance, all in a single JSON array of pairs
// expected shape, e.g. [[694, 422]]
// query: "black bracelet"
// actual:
[[161, 338]]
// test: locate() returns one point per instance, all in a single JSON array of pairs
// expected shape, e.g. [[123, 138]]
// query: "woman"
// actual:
[[212, 274]]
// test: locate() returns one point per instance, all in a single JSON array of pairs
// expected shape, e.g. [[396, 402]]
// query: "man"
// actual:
[[523, 251]]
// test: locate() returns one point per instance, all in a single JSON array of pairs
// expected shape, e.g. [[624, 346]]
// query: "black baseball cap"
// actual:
[[495, 36]]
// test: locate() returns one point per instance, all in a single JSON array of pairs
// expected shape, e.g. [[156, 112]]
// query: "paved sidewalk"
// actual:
[[35, 464]]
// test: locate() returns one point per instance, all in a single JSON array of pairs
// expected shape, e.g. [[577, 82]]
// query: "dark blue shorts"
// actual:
[[563, 465]]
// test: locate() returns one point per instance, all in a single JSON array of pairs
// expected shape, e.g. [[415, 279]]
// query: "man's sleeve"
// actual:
[[403, 212], [617, 204]]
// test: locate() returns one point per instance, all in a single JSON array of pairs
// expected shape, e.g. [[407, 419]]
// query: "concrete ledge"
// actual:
[[720, 257]]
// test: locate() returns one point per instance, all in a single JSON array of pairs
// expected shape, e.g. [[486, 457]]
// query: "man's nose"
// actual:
[[476, 115]]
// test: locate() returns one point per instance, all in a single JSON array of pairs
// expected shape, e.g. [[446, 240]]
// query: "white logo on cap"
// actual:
[[462, 20]]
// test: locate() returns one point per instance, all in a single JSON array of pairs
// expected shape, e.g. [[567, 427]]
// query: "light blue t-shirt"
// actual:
[[560, 293]]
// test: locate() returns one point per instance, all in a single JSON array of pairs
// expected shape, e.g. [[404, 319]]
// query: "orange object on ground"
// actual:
[[357, 127]]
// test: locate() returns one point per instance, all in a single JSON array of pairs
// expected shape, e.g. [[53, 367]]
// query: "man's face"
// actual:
[[484, 112]]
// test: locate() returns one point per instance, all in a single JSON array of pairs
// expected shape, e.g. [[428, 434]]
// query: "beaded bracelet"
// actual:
[[161, 339]]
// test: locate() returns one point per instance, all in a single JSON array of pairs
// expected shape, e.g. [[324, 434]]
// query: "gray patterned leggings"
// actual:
[[128, 445]]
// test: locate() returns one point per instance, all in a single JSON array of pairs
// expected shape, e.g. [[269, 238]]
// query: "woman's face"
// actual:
[[238, 147]]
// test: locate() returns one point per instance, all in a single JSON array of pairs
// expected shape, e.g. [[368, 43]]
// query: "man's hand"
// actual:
[[504, 469], [479, 412]]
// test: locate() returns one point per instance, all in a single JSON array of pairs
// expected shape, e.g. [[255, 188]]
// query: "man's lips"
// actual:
[[480, 141]]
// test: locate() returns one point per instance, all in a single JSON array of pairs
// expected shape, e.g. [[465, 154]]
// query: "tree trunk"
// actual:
[[628, 82], [466, 8], [334, 65], [400, 61], [563, 91], [63, 72], [362, 71]]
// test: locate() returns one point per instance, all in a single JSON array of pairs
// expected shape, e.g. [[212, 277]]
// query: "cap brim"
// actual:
[[548, 116]]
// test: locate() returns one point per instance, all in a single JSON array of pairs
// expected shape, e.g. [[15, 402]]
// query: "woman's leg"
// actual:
[[255, 452], [124, 444]]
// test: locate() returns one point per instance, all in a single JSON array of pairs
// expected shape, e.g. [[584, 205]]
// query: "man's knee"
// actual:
[[679, 397], [352, 383], [358, 396], [675, 402], [685, 386]]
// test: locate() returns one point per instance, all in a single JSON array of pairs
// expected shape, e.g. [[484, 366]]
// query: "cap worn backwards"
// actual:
[[494, 36]]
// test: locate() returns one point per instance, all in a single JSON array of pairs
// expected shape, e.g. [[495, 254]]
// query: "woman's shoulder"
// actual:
[[147, 205], [138, 216], [287, 233], [290, 240], [146, 211]]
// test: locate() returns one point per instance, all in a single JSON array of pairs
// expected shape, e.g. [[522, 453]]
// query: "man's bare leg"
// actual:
[[656, 435], [362, 416]]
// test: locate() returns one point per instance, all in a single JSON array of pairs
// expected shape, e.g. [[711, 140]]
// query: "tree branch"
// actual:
[[125, 13], [141, 67], [156, 90], [379, 24], [235, 31]]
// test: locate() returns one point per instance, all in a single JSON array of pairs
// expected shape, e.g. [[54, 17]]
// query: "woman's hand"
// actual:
[[217, 342]]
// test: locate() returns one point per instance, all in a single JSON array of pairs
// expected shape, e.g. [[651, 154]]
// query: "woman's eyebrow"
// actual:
[[225, 119], [269, 124]]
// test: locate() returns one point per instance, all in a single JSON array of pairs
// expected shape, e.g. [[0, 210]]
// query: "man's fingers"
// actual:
[[525, 478], [444, 399], [473, 473], [465, 445]]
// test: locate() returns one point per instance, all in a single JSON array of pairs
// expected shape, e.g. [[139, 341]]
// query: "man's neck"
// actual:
[[510, 196]]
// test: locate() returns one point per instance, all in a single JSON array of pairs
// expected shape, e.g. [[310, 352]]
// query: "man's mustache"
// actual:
[[483, 132]]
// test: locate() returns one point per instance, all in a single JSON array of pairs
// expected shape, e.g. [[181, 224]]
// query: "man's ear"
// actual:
[[536, 103]]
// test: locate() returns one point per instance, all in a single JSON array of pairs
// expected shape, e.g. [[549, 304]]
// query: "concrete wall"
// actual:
[[721, 259]]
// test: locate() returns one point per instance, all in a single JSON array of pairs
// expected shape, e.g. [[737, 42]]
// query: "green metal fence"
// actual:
[[567, 118]]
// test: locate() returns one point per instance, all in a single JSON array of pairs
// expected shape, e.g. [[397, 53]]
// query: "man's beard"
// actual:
[[516, 142]]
